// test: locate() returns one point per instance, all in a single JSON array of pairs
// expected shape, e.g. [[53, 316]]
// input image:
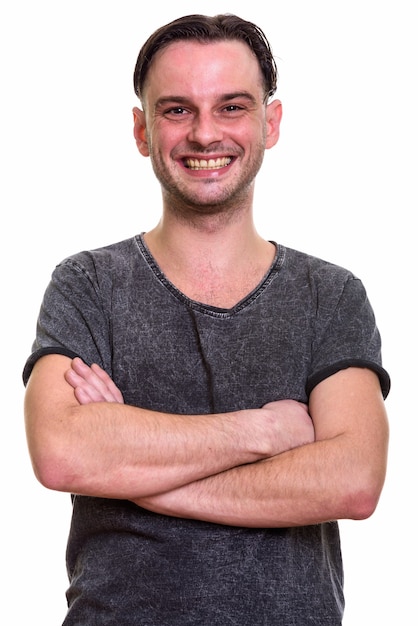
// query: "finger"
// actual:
[[73, 378], [97, 384], [95, 378], [107, 380], [82, 395]]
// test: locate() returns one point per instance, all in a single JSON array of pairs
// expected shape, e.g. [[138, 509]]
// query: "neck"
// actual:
[[212, 260], [219, 238]]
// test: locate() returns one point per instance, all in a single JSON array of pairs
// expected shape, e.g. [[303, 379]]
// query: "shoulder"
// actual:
[[319, 283], [118, 252], [309, 265], [106, 260], [319, 276]]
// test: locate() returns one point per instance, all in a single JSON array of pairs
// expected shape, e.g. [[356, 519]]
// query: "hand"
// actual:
[[295, 424], [91, 384]]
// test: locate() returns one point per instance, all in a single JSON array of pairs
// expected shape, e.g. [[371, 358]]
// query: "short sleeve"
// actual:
[[346, 336], [72, 320]]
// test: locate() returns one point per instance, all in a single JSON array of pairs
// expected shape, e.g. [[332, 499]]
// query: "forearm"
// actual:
[[84, 439], [311, 484], [268, 493], [114, 450]]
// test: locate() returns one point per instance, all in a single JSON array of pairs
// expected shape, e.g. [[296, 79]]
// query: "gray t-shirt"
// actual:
[[305, 321]]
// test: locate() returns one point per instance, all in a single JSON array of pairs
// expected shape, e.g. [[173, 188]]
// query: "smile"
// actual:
[[210, 164]]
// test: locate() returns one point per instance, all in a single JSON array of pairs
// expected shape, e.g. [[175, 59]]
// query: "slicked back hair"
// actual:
[[206, 29]]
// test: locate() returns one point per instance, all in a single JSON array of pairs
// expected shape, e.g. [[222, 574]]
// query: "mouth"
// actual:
[[207, 164]]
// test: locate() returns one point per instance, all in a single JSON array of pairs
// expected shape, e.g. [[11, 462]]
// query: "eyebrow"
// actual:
[[227, 97]]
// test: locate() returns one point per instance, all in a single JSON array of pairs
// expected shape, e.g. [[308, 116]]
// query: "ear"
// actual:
[[140, 131], [273, 119]]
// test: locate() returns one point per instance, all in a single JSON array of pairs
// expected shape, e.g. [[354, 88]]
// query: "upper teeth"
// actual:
[[203, 164]]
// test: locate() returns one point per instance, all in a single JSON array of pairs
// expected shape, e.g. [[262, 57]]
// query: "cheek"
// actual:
[[162, 139]]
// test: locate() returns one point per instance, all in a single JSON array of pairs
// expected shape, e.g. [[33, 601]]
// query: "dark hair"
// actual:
[[206, 29]]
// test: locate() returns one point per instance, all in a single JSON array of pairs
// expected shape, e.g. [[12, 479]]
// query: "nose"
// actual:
[[205, 129]]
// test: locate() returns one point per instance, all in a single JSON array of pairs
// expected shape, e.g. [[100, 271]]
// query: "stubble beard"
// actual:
[[188, 205]]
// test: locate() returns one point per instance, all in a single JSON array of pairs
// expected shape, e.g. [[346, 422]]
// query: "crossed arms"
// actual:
[[279, 465]]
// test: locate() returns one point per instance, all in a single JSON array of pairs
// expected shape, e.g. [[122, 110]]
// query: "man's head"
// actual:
[[206, 118], [205, 29]]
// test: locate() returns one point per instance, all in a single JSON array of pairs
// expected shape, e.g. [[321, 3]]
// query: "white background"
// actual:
[[340, 184]]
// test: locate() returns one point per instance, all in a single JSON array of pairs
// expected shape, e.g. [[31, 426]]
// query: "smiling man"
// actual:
[[214, 401], [206, 124]]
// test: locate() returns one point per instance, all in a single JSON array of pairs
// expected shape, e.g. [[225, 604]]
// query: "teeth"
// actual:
[[211, 164]]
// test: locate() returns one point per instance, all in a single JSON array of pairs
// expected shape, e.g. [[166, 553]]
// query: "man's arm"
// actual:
[[83, 439], [338, 476]]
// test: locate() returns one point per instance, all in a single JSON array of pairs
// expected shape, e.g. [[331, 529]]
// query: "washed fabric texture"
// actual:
[[305, 321]]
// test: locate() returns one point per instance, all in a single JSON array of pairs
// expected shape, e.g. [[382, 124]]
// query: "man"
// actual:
[[214, 400]]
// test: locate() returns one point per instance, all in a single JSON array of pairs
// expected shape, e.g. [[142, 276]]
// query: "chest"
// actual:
[[217, 288], [189, 358]]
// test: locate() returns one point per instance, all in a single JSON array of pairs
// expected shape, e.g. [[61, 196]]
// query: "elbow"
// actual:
[[362, 505], [49, 474], [51, 468], [361, 502], [54, 454]]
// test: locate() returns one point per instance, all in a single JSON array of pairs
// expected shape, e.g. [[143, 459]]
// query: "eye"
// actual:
[[231, 108], [176, 111], [233, 111]]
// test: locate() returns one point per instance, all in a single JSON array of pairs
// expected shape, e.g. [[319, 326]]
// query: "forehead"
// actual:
[[191, 67]]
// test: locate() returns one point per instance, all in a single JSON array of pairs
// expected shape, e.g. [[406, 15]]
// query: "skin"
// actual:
[[281, 465]]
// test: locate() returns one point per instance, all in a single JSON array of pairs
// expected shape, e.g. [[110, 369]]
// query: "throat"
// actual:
[[219, 288], [214, 274]]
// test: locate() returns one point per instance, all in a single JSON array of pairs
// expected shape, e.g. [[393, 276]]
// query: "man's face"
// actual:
[[206, 125]]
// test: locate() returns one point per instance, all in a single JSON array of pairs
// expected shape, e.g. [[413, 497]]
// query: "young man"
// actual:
[[214, 400]]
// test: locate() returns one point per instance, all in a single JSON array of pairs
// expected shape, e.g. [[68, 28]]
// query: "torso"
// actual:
[[170, 354]]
